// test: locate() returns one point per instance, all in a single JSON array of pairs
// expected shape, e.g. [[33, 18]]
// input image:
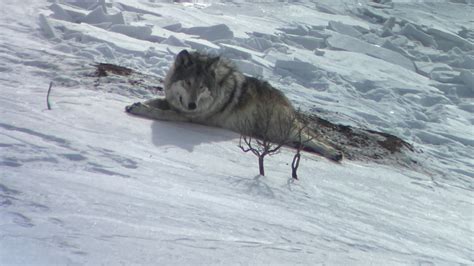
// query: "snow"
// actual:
[[352, 44], [85, 183], [98, 16], [211, 33], [343, 29]]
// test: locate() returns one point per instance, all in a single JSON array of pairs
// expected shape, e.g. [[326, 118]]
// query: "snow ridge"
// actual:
[[84, 183]]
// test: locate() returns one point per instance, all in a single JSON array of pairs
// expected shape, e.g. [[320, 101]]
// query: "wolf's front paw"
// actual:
[[131, 108], [338, 156]]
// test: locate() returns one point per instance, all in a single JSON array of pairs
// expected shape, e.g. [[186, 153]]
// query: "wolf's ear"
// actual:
[[183, 59], [211, 63]]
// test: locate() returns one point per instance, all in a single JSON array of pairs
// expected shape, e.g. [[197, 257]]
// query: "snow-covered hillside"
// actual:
[[85, 183]]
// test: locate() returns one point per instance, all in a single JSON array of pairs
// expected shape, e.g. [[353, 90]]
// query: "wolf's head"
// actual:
[[191, 82]]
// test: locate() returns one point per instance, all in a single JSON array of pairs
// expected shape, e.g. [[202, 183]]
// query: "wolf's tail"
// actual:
[[323, 149], [311, 143]]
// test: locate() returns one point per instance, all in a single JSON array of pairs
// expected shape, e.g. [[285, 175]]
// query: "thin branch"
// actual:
[[248, 142], [241, 146], [47, 96], [295, 164], [302, 132], [276, 148]]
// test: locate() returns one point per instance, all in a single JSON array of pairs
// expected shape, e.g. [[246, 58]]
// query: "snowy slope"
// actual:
[[85, 183]]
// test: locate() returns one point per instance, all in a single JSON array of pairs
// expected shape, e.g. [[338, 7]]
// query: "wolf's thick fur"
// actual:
[[210, 91]]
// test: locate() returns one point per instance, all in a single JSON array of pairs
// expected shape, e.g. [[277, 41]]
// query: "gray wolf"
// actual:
[[210, 91]]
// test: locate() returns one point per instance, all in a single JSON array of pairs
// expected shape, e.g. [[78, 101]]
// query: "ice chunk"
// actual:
[[388, 27], [46, 27], [239, 52], [372, 38], [86, 4], [71, 12], [211, 33], [425, 68], [467, 78], [468, 107], [202, 45], [431, 138], [372, 14], [270, 37], [138, 32], [98, 16], [347, 43], [390, 45], [463, 91], [466, 33], [467, 62], [386, 33], [446, 76], [137, 8], [319, 34], [389, 24], [261, 61], [173, 27], [106, 50], [448, 40], [326, 9], [299, 68], [60, 13], [343, 28], [381, 4], [319, 52], [307, 42], [258, 43], [296, 30], [248, 68], [412, 32], [87, 33], [172, 40]]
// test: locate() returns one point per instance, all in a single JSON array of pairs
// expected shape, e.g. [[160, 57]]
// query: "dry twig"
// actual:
[[47, 96]]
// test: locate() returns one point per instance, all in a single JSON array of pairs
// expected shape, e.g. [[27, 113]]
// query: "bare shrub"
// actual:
[[269, 130], [301, 140]]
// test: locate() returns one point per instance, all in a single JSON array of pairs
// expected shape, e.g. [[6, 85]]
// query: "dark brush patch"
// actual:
[[358, 143], [104, 69]]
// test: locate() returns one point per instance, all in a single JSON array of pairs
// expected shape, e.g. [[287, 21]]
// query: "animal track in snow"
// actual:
[[19, 219], [7, 195]]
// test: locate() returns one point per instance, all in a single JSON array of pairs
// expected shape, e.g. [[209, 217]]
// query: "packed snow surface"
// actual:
[[85, 183]]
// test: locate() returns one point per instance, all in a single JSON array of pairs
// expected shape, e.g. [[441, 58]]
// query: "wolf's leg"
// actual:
[[144, 110], [159, 103]]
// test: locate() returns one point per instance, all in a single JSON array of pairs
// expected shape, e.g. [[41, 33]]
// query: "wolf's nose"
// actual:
[[192, 106]]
